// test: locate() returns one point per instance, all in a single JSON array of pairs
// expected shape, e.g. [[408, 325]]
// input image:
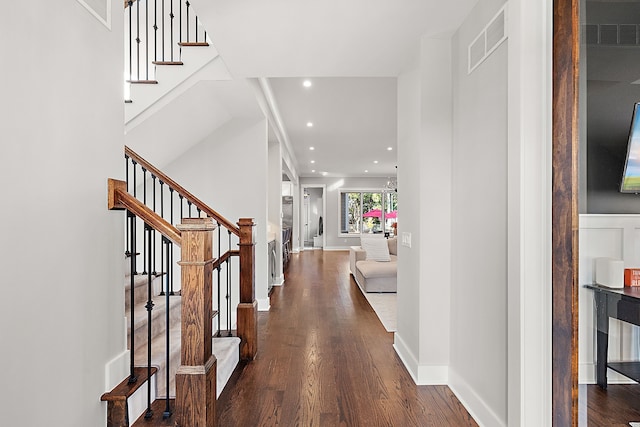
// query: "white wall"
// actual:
[[62, 312], [479, 223], [332, 199], [227, 171], [407, 338]]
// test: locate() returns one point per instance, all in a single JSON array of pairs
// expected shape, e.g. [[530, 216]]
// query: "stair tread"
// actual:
[[124, 390], [193, 44], [158, 407], [168, 62], [139, 280], [143, 82]]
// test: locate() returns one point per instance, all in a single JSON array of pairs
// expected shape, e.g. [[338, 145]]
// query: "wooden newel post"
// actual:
[[248, 307], [196, 376]]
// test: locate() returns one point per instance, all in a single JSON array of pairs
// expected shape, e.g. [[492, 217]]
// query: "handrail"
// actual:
[[128, 152], [218, 262], [119, 198]]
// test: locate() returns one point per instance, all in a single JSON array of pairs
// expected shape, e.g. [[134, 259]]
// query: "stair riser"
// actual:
[[140, 292], [158, 326]]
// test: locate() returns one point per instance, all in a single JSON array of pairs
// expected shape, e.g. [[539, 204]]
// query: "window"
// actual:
[[367, 212]]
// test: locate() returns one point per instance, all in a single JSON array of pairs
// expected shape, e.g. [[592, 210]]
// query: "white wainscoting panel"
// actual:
[[615, 236]]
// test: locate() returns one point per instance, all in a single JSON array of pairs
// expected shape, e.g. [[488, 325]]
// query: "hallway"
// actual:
[[325, 359]]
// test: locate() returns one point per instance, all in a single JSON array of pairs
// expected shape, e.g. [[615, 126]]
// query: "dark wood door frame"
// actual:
[[566, 42]]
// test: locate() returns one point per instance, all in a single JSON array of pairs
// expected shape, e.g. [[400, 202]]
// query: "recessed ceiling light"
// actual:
[[390, 148], [324, 173], [313, 161], [309, 124], [312, 148], [366, 171], [306, 83], [375, 161], [313, 170]]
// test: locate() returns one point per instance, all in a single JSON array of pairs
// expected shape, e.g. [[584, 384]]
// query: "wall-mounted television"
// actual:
[[631, 174]]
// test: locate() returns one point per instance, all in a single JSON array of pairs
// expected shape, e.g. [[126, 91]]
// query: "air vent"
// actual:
[[488, 40], [608, 34], [612, 34]]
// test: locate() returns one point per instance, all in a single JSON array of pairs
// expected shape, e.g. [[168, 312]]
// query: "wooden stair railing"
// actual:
[[247, 311], [196, 377], [130, 154]]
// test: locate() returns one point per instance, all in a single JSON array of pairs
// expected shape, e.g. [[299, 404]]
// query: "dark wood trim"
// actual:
[[247, 308], [167, 62], [196, 376], [193, 44], [143, 82], [117, 403], [566, 44], [182, 191], [224, 257], [119, 198]]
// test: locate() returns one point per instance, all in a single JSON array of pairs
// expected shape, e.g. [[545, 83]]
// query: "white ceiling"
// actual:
[[352, 51]]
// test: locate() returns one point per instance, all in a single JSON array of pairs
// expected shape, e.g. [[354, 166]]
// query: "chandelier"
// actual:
[[392, 184]]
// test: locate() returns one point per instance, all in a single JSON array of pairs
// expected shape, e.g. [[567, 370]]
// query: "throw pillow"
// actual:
[[376, 249]]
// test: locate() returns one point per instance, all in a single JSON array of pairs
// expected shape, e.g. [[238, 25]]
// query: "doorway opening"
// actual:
[[313, 215]]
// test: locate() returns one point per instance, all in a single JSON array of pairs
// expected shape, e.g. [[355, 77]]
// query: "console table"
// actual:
[[622, 304]]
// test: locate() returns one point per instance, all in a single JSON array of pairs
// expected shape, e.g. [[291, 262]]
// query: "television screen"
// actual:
[[631, 174]]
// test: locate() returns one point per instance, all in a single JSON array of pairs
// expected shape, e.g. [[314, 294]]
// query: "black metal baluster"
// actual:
[[188, 4], [144, 201], [167, 410], [180, 22], [218, 291], [181, 206], [130, 3], [162, 290], [146, 40], [133, 229], [189, 204], [172, 16], [155, 30], [138, 40], [132, 245], [229, 289], [134, 177], [196, 29], [170, 290], [149, 307], [126, 167], [163, 29], [153, 202]]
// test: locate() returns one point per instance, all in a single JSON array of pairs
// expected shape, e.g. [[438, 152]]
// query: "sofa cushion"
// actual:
[[373, 269], [393, 245], [377, 249]]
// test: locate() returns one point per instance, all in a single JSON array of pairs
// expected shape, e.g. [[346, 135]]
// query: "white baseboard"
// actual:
[[477, 408], [336, 248], [116, 370], [421, 374], [263, 304], [279, 281], [587, 375]]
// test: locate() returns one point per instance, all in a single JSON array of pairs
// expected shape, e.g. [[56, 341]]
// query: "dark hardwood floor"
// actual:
[[325, 359], [616, 406]]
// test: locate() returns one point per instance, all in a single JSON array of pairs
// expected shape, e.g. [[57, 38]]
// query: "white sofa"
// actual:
[[375, 276]]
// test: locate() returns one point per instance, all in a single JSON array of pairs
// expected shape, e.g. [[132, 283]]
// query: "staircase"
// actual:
[[174, 379], [226, 349]]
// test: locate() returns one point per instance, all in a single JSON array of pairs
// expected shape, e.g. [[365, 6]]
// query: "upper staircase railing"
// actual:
[[155, 33], [153, 199]]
